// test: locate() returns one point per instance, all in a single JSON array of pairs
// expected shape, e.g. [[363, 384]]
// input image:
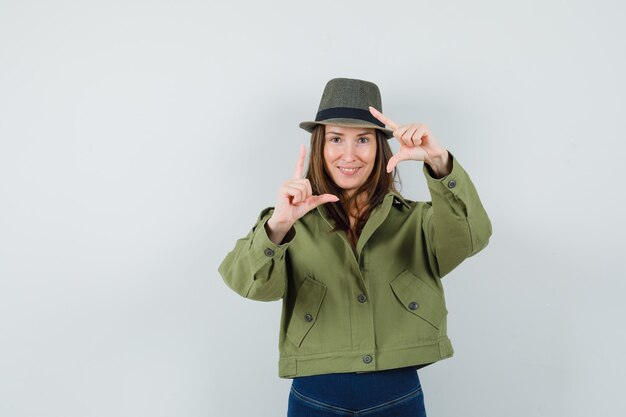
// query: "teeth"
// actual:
[[348, 169]]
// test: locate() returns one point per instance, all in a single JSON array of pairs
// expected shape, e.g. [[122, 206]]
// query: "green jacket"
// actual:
[[380, 307]]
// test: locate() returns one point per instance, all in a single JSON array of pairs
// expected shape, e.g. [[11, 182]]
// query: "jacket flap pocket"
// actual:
[[418, 298], [306, 309]]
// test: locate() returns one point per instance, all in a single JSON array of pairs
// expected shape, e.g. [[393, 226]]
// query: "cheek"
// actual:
[[370, 155], [329, 155], [327, 161]]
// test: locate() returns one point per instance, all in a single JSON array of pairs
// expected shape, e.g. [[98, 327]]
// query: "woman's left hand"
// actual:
[[417, 144]]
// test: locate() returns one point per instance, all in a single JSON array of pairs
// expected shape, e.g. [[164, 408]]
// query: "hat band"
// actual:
[[347, 113]]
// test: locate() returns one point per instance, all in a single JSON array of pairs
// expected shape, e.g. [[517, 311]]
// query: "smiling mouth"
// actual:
[[348, 171]]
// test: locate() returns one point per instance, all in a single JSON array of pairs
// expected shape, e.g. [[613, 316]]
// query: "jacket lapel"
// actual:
[[377, 217]]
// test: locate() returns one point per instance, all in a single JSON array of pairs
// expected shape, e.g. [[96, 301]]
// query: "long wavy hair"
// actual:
[[377, 185]]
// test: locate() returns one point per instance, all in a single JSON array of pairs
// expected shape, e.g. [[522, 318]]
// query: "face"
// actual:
[[349, 155]]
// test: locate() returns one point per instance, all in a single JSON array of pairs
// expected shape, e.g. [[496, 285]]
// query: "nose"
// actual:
[[349, 151]]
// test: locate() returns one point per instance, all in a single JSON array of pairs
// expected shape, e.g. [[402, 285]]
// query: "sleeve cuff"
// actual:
[[263, 248], [452, 182]]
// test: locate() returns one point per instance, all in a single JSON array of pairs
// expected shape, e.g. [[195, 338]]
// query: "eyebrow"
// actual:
[[332, 132]]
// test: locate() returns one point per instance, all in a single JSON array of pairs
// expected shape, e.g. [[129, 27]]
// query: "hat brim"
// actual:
[[309, 125]]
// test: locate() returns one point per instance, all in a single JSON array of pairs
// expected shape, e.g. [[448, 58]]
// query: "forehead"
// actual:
[[348, 131]]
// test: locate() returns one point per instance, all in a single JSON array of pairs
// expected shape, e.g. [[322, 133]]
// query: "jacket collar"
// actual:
[[377, 216], [397, 198]]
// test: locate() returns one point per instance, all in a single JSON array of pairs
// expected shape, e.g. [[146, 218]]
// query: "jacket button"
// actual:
[[361, 298], [367, 359], [269, 252], [451, 184], [308, 317], [413, 305]]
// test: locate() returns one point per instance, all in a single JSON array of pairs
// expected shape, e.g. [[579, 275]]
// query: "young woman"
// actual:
[[357, 266]]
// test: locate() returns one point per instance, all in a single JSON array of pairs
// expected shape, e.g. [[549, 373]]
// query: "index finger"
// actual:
[[297, 172], [390, 123]]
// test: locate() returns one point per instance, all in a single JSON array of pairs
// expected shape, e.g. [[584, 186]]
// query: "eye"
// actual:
[[363, 140], [335, 139]]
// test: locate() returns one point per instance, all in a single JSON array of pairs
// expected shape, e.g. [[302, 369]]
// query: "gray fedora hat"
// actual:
[[345, 102]]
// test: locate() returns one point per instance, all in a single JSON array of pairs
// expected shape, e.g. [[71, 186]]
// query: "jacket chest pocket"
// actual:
[[306, 310], [419, 299]]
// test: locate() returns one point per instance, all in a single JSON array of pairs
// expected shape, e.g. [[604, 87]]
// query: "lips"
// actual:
[[349, 171]]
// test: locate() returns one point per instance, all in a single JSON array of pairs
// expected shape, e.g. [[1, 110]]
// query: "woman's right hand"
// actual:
[[295, 199]]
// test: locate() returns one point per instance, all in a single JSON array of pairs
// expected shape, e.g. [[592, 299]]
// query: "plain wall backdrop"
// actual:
[[140, 139]]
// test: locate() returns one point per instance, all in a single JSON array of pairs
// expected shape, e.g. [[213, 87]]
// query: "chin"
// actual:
[[348, 187]]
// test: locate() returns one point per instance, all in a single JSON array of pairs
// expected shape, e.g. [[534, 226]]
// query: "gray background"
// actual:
[[139, 140]]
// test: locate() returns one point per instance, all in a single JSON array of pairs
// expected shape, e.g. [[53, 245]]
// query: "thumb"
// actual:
[[318, 200], [393, 161]]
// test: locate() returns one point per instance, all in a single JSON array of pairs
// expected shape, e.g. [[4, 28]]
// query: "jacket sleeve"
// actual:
[[255, 268], [456, 224]]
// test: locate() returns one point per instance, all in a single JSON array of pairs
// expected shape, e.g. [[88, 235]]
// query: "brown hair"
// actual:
[[376, 186]]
